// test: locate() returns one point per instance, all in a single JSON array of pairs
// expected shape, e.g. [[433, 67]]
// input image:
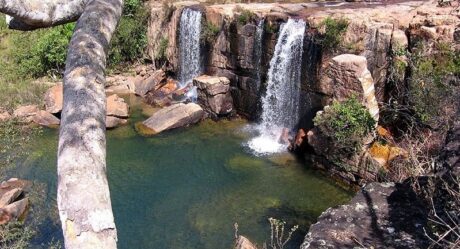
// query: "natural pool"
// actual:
[[186, 188]]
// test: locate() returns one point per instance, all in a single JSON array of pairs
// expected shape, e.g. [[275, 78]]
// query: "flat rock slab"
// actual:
[[381, 215], [174, 116], [117, 107], [45, 118]]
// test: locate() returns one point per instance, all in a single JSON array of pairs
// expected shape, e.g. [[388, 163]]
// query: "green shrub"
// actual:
[[161, 53], [42, 52], [15, 235], [433, 90], [245, 16], [130, 39], [334, 30], [270, 27], [346, 123], [209, 32]]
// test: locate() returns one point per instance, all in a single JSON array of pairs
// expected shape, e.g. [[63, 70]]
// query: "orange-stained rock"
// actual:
[[299, 138], [385, 154], [384, 133], [54, 98]]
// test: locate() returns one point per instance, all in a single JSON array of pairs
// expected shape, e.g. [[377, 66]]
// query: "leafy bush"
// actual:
[[15, 235], [47, 54], [161, 53], [210, 32], [334, 29], [346, 123], [245, 16], [130, 38], [433, 88]]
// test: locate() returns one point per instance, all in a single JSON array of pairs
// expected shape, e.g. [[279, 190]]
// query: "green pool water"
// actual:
[[186, 188]]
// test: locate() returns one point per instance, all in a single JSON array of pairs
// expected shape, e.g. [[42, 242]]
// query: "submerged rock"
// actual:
[[243, 243], [381, 215], [113, 122], [53, 99], [214, 94], [174, 116]]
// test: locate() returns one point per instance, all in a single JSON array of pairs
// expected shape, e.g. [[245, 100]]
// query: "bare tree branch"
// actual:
[[33, 14]]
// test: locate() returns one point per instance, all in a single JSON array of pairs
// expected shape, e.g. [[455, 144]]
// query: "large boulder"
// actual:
[[174, 116], [45, 118], [53, 99], [381, 215], [153, 82], [214, 94], [350, 77], [26, 113], [117, 112], [117, 107]]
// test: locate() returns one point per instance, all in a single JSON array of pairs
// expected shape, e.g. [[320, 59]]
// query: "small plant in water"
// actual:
[[277, 236]]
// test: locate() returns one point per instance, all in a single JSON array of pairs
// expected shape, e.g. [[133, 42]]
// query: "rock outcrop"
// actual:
[[381, 215], [53, 99], [348, 76], [174, 116], [13, 204], [214, 94]]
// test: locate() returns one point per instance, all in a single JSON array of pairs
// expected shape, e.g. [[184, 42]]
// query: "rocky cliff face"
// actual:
[[238, 42]]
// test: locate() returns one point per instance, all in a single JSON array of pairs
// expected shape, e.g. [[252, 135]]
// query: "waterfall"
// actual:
[[189, 46], [258, 49], [280, 105]]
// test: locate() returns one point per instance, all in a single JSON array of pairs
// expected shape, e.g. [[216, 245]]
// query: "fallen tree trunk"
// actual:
[[83, 193]]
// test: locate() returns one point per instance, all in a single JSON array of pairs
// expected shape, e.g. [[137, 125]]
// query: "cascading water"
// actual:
[[258, 50], [280, 105], [189, 47]]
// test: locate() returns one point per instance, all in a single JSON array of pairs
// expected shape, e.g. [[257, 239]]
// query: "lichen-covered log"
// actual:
[[83, 193]]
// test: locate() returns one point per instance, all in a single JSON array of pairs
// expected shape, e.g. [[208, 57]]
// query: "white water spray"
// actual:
[[280, 105], [189, 46]]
